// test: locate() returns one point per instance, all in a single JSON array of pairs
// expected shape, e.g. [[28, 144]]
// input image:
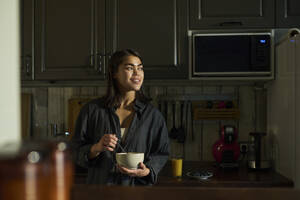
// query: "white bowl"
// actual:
[[129, 160]]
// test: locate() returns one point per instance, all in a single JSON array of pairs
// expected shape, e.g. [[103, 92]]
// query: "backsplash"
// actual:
[[50, 106]]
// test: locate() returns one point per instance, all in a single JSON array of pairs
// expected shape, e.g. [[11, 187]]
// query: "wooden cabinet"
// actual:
[[26, 40], [72, 39], [235, 14], [69, 39], [158, 31], [287, 13]]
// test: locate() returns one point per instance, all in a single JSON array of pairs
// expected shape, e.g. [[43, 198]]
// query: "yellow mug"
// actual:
[[176, 167]]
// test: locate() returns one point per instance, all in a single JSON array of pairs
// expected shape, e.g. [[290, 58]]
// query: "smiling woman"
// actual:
[[130, 75], [123, 117]]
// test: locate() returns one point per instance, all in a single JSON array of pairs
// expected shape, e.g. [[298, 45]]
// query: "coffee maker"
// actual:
[[226, 150], [258, 155]]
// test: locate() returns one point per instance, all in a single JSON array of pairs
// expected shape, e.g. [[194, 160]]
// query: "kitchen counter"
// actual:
[[96, 192], [238, 177]]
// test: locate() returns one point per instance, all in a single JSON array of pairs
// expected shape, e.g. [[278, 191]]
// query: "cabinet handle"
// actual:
[[27, 64], [109, 56], [99, 68], [27, 69], [92, 60], [231, 24], [104, 72]]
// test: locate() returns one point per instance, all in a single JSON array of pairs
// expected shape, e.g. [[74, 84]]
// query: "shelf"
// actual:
[[215, 110]]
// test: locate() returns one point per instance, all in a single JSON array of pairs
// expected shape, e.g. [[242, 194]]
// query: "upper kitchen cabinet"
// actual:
[[26, 40], [287, 13], [231, 14], [69, 39], [158, 31], [73, 39]]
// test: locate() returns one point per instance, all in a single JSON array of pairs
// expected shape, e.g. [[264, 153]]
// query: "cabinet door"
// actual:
[[287, 13], [297, 107], [158, 31], [231, 14], [26, 39], [66, 38]]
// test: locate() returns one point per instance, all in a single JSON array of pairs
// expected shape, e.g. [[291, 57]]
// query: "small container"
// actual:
[[258, 153], [36, 170], [26, 172], [176, 167], [63, 169]]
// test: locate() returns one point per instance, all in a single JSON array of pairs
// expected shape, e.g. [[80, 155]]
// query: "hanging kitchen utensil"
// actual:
[[181, 130], [166, 110], [188, 122], [159, 106], [192, 120], [174, 132]]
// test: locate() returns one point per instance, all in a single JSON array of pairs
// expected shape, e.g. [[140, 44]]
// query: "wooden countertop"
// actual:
[[96, 192], [225, 184], [239, 177]]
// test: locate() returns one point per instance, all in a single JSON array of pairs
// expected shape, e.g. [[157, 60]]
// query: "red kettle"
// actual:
[[226, 150]]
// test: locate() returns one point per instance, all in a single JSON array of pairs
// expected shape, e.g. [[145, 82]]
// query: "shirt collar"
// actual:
[[138, 106]]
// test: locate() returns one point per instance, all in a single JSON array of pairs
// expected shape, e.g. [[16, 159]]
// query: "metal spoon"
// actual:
[[118, 143]]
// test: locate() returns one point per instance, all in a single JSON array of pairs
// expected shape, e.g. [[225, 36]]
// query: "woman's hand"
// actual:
[[140, 172], [107, 142]]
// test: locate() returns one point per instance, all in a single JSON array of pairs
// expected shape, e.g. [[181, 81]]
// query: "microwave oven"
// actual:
[[232, 55]]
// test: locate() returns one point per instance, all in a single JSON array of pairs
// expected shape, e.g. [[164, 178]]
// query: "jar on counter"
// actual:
[[26, 172], [36, 170], [63, 169]]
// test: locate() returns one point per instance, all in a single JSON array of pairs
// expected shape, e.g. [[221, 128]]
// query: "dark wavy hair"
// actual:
[[113, 94]]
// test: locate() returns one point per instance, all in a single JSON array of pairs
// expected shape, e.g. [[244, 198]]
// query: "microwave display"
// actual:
[[241, 54]]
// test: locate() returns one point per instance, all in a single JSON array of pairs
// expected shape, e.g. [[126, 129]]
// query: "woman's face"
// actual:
[[130, 74]]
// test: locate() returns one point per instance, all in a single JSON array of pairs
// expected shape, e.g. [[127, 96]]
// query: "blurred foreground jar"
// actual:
[[39, 170], [63, 170], [26, 172]]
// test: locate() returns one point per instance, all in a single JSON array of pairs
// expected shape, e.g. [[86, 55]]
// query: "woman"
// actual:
[[122, 116]]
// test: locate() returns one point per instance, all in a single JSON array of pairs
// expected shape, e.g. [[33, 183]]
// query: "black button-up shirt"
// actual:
[[147, 134]]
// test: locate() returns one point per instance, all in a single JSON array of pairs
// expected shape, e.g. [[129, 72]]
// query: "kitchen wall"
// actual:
[[9, 76], [283, 97], [50, 106]]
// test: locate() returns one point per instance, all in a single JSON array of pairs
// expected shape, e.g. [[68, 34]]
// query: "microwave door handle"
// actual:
[[231, 24]]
